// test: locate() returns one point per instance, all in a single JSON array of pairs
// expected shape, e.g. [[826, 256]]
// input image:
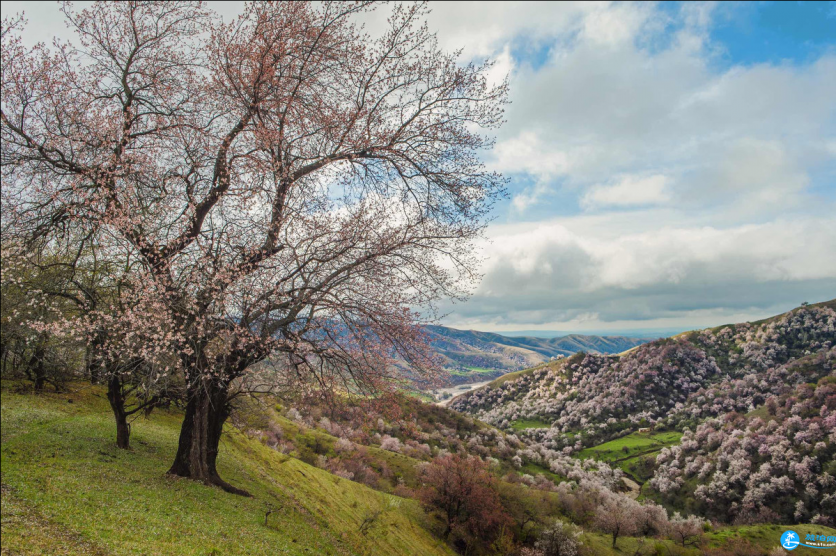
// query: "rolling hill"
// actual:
[[66, 489]]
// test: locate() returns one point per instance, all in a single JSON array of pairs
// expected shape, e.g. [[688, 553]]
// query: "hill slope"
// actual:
[[68, 490], [784, 364]]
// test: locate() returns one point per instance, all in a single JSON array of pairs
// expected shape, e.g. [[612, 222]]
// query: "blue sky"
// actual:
[[672, 165], [775, 32]]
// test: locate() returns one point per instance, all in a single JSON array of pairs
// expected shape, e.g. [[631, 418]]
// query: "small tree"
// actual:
[[528, 507], [651, 520], [464, 492], [685, 530], [617, 516], [131, 388], [561, 539], [33, 298], [59, 302]]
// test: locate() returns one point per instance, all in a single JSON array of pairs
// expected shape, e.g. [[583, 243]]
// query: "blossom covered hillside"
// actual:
[[779, 371], [592, 398], [776, 467]]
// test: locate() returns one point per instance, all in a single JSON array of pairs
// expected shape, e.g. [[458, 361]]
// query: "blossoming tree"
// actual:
[[282, 188]]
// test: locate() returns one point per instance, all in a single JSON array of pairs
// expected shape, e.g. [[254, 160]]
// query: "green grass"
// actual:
[[767, 536], [471, 371], [481, 370], [634, 454], [68, 490], [631, 446], [521, 424]]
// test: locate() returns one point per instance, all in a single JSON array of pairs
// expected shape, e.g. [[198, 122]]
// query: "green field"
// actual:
[[482, 370], [66, 489], [475, 371], [635, 454], [521, 424], [631, 446]]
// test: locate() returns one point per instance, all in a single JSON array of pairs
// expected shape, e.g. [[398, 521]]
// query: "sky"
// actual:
[[672, 165]]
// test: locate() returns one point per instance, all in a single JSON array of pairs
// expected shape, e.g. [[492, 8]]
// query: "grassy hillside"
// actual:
[[67, 490], [631, 446], [752, 540]]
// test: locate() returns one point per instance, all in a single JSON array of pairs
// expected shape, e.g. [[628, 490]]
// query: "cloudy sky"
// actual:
[[672, 165]]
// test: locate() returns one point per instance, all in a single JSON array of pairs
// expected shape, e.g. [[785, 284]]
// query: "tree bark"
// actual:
[[200, 435], [117, 404], [92, 360]]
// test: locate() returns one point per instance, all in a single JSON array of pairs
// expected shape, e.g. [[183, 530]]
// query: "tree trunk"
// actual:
[[117, 404], [36, 364], [123, 433], [614, 538], [91, 361], [200, 436]]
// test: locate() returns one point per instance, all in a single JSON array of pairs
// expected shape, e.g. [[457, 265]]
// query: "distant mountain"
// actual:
[[467, 349], [654, 333]]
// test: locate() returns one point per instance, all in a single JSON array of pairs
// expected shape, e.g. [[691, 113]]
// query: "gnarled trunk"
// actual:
[[200, 435]]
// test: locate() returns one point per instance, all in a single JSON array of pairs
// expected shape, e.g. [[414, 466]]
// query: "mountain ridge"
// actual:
[[462, 349]]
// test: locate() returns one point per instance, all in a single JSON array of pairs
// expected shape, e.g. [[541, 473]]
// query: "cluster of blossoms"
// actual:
[[590, 399], [748, 348], [400, 427], [762, 469], [752, 390]]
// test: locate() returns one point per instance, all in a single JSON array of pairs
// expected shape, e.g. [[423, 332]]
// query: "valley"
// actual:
[[417, 278]]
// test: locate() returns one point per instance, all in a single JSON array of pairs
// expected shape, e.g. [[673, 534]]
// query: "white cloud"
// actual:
[[629, 191], [565, 269], [528, 153], [615, 27]]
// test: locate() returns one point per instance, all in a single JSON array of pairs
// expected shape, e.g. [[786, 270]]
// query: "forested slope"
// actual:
[[755, 401]]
